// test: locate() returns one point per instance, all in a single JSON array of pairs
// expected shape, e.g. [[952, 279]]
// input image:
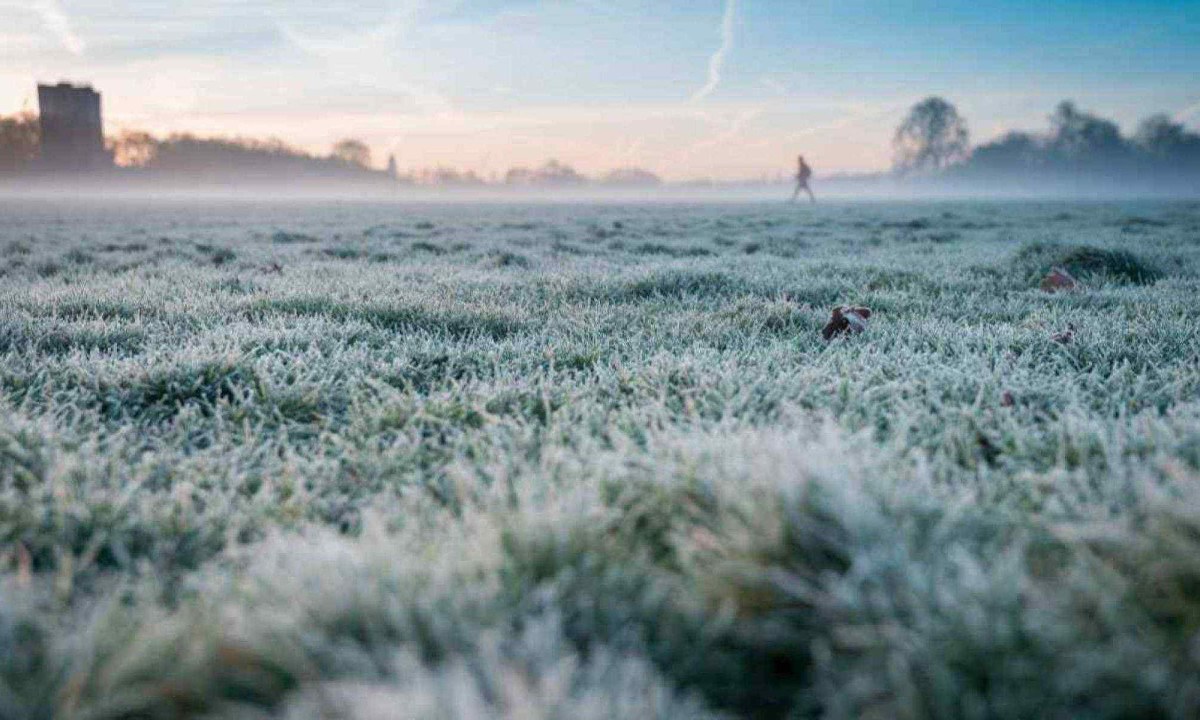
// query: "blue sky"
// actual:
[[706, 88]]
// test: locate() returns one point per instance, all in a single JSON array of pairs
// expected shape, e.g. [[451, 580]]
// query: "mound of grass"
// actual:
[[425, 246], [16, 248], [91, 308], [1121, 266], [672, 250], [236, 286], [502, 259], [63, 338], [778, 317], [282, 237], [1138, 221], [133, 247], [344, 252], [163, 393], [399, 318], [79, 257], [423, 372], [48, 268], [914, 224], [676, 284]]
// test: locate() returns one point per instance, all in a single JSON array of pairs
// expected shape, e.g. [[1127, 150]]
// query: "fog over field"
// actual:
[[589, 461]]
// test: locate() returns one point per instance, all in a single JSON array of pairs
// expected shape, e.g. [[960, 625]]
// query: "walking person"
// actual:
[[803, 173]]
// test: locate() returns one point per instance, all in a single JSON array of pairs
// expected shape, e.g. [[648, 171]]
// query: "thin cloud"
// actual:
[[368, 57], [1187, 113], [57, 22], [860, 115], [717, 62], [728, 135], [776, 87], [630, 152]]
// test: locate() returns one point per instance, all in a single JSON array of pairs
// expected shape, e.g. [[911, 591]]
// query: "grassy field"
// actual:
[[592, 462]]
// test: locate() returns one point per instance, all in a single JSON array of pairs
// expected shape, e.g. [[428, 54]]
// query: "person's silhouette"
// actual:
[[803, 173]]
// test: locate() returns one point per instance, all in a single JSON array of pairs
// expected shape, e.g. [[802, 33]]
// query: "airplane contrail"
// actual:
[[717, 62], [57, 22]]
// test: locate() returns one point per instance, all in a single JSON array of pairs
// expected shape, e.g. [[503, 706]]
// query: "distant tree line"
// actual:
[[556, 174], [187, 154], [552, 174], [933, 139], [218, 158]]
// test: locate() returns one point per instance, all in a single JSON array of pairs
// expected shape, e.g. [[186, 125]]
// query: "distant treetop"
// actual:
[[931, 137]]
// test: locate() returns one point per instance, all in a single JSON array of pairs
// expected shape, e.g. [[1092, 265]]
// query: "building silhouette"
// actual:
[[72, 128]]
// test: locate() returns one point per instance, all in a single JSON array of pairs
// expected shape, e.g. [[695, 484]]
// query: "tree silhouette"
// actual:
[[352, 152], [552, 173], [1077, 134], [932, 136], [1162, 137], [134, 148], [19, 141]]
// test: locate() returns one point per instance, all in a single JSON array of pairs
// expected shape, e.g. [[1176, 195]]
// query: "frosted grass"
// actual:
[[330, 461]]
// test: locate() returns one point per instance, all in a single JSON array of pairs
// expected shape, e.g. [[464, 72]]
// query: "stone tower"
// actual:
[[72, 131]]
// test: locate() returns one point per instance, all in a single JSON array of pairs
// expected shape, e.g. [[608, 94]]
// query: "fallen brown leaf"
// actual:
[[1066, 336], [1058, 279], [846, 319]]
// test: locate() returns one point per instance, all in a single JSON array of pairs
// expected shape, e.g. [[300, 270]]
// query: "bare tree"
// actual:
[[134, 148], [352, 152], [19, 140], [932, 137]]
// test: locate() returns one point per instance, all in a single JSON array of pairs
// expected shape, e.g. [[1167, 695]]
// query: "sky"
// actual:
[[690, 89]]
